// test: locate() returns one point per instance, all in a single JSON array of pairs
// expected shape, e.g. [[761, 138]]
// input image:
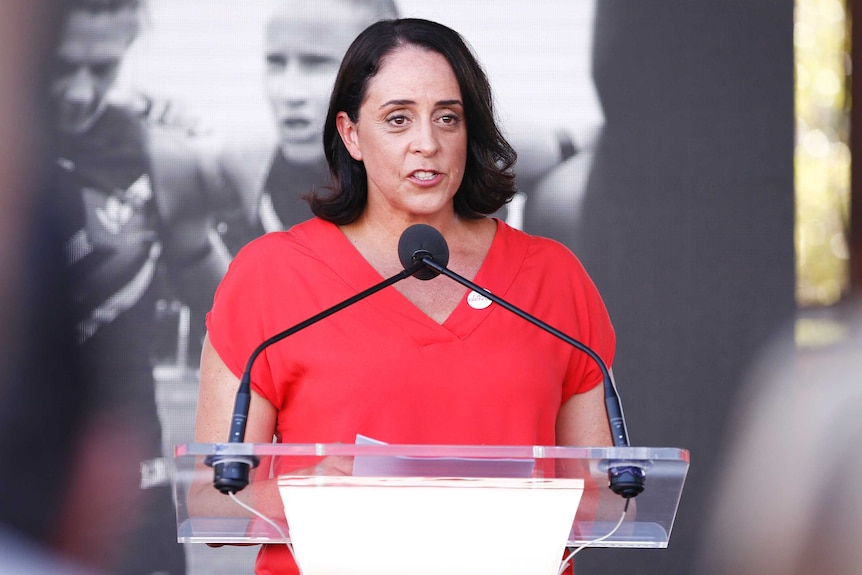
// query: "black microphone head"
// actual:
[[420, 241]]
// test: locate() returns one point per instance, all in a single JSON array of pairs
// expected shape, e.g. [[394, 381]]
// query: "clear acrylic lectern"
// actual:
[[389, 504]]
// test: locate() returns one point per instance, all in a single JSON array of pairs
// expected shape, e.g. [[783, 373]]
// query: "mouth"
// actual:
[[296, 123], [75, 116], [424, 175], [298, 131]]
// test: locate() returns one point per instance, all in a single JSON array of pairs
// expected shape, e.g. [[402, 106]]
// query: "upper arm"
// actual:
[[583, 420], [216, 397]]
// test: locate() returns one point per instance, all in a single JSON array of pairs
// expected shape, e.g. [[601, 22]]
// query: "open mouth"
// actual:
[[296, 123], [424, 176]]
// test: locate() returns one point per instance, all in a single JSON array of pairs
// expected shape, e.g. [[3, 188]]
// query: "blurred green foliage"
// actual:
[[822, 160]]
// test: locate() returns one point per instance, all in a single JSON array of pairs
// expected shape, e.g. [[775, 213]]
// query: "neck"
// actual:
[[377, 238], [389, 226]]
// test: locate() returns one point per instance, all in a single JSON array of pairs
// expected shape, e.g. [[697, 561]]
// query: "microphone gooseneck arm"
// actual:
[[231, 472], [243, 395], [625, 480], [612, 400]]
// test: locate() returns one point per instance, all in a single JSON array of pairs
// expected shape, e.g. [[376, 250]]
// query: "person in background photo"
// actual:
[[410, 137], [134, 206], [303, 46]]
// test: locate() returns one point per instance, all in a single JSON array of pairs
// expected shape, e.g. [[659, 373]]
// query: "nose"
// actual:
[[81, 88], [425, 139], [290, 84]]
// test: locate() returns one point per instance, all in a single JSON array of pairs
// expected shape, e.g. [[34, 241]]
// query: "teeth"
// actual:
[[424, 175]]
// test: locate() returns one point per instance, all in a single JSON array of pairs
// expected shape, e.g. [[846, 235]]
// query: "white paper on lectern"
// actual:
[[429, 526], [404, 466]]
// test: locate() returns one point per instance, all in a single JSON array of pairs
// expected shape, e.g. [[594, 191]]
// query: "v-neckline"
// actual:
[[499, 267]]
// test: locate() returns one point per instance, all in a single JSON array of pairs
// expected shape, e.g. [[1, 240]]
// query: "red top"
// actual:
[[384, 369]]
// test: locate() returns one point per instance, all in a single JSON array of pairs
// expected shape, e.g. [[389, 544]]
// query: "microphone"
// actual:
[[625, 480], [231, 473]]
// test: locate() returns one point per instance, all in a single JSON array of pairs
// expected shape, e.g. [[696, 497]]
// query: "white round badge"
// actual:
[[477, 300]]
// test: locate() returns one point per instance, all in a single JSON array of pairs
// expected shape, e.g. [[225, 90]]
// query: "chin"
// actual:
[[431, 212], [302, 153]]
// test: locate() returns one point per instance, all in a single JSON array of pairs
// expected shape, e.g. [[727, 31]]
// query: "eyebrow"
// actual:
[[407, 102]]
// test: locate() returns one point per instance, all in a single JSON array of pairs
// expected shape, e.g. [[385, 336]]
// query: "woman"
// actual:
[[410, 137]]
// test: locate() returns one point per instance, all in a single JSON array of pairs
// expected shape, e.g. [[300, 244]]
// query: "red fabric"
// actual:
[[384, 369]]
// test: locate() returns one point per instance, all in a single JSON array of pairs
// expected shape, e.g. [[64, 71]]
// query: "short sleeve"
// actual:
[[235, 324], [574, 302]]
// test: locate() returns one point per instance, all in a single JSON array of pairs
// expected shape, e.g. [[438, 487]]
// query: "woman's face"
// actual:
[[411, 135]]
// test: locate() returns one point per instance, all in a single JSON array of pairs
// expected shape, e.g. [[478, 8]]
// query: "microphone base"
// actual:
[[231, 473], [626, 480]]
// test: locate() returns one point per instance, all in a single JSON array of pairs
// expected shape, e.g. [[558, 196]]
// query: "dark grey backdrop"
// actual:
[[688, 225]]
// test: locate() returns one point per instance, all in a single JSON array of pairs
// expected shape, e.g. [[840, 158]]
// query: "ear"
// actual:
[[349, 133]]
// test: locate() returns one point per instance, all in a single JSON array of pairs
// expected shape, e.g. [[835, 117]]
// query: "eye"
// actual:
[[276, 62], [103, 69], [397, 120], [318, 61], [449, 119], [64, 68]]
